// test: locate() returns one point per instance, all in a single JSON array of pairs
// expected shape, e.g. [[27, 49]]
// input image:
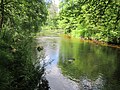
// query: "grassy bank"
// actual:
[[97, 42]]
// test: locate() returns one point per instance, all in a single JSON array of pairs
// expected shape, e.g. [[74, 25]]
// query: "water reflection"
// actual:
[[51, 50], [90, 61]]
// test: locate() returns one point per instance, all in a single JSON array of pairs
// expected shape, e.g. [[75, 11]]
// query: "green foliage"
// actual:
[[100, 19], [21, 19], [52, 19]]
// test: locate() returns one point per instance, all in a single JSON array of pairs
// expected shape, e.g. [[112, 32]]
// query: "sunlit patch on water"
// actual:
[[89, 84]]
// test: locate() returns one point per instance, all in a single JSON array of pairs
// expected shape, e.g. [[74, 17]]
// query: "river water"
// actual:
[[72, 64]]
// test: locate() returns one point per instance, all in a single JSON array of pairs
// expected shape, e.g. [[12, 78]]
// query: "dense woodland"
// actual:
[[91, 19], [19, 21]]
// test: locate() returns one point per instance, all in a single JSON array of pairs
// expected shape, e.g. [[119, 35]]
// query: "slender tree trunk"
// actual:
[[2, 15]]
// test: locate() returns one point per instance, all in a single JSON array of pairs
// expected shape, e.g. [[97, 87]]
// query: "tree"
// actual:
[[19, 21], [98, 20]]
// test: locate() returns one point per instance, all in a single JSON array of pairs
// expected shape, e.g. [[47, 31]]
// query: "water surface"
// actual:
[[97, 67], [57, 81], [92, 66]]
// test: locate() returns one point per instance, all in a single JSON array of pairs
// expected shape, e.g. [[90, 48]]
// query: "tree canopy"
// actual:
[[91, 19]]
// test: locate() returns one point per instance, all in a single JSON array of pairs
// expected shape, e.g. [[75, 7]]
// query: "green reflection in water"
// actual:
[[78, 58]]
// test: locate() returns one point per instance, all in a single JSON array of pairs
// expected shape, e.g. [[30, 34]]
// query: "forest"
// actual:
[[22, 20]]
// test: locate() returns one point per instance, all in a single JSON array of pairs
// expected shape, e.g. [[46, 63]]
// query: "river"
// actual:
[[73, 64]]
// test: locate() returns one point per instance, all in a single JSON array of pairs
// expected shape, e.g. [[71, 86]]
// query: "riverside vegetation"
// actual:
[[19, 21], [91, 19]]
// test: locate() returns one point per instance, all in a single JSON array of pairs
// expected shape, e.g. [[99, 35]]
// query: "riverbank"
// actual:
[[97, 42], [50, 33]]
